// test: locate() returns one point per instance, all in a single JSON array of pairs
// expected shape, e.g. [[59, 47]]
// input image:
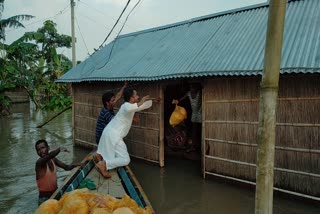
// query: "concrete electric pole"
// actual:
[[74, 62]]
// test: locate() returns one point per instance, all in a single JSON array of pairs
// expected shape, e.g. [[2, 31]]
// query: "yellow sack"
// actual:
[[50, 206], [178, 115]]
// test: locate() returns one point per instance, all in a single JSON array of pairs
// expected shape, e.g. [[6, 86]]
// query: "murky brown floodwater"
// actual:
[[178, 188]]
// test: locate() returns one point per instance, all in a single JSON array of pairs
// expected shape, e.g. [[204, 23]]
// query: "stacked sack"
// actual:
[[82, 201]]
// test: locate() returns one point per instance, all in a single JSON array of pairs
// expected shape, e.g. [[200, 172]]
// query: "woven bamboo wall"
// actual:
[[142, 140], [231, 108]]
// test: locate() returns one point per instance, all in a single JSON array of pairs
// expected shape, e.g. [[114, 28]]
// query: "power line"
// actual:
[[102, 13], [128, 16], [63, 11], [115, 23], [122, 27], [82, 36], [92, 20], [137, 5], [120, 31]]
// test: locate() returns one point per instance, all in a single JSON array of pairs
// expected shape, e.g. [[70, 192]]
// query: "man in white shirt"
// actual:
[[111, 146]]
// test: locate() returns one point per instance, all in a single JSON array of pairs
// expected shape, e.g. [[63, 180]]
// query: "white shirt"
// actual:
[[111, 145]]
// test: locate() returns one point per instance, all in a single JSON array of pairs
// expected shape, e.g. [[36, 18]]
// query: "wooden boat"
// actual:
[[123, 181]]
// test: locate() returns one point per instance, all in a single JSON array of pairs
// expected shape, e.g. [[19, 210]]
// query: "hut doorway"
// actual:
[[183, 139]]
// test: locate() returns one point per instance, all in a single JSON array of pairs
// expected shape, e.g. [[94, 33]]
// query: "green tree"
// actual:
[[5, 84], [50, 66], [49, 40], [4, 99], [23, 67], [7, 67], [32, 62]]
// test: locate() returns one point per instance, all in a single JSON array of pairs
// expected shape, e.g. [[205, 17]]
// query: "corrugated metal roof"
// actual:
[[224, 44]]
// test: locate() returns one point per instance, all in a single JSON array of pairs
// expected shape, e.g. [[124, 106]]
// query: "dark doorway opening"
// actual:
[[179, 138]]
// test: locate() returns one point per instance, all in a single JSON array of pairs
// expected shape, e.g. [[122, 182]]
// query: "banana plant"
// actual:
[[32, 62], [14, 21], [48, 40]]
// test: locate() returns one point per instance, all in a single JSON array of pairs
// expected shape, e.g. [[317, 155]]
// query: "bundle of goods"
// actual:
[[82, 201], [178, 115]]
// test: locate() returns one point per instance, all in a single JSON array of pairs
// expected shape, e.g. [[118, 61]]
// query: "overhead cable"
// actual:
[[61, 12], [82, 35], [122, 27], [93, 20], [113, 43], [128, 17], [115, 24], [102, 13]]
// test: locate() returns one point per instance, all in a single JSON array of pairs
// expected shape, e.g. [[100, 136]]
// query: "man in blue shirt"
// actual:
[[107, 113]]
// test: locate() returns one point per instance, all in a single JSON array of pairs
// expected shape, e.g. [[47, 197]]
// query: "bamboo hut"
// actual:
[[18, 95], [223, 52]]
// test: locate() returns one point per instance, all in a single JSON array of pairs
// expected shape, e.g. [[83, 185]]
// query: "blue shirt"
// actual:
[[104, 118]]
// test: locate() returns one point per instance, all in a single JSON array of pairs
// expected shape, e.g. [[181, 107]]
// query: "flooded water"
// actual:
[[18, 134], [177, 188]]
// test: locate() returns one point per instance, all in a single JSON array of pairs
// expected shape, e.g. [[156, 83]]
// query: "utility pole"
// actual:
[[69, 86], [72, 3], [268, 107]]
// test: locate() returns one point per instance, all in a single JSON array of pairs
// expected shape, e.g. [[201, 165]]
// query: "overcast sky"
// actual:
[[95, 18]]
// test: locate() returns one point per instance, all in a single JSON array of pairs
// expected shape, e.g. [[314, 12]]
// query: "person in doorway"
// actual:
[[194, 95], [107, 113], [111, 147], [46, 173]]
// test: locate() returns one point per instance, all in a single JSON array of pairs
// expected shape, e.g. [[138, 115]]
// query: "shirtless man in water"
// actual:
[[46, 173]]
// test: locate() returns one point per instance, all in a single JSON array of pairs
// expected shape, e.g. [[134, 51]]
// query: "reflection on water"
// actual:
[[177, 188]]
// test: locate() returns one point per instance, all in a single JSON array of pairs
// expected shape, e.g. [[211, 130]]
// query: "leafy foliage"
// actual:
[[32, 62], [4, 99], [14, 21]]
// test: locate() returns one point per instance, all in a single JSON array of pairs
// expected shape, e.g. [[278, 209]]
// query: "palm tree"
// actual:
[[14, 21]]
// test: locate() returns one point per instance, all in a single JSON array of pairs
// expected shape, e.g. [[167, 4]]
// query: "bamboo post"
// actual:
[[161, 126], [268, 106], [73, 116], [203, 128]]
